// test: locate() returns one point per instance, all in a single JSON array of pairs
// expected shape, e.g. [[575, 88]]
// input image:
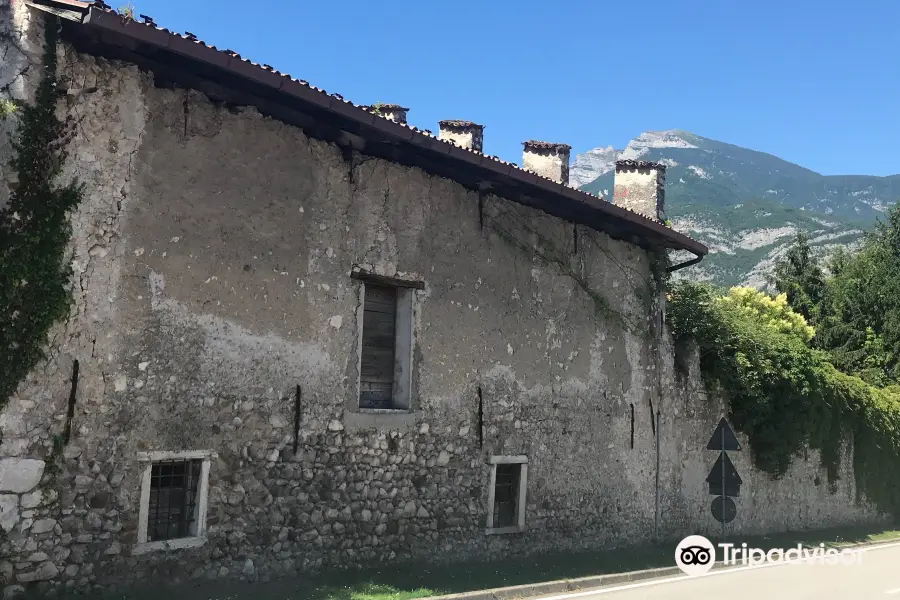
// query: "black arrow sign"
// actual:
[[728, 441], [726, 475]]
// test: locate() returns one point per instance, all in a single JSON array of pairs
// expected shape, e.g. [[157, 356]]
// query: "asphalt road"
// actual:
[[876, 575]]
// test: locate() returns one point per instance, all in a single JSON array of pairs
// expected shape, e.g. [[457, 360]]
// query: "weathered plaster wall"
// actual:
[[213, 255], [236, 289]]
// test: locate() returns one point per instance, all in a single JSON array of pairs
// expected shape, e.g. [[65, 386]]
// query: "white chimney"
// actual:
[[467, 134], [547, 159], [640, 186]]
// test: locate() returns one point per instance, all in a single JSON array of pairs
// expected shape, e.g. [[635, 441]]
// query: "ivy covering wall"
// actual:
[[35, 267], [787, 396]]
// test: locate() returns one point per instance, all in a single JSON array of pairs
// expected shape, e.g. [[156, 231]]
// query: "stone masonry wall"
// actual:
[[802, 499], [212, 256]]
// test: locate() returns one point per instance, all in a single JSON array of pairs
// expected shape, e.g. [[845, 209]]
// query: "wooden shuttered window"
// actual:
[[378, 347]]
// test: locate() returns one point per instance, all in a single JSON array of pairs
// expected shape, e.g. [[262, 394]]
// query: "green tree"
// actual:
[[799, 276], [859, 323]]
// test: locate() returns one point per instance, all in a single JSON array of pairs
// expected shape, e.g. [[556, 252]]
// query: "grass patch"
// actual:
[[419, 580]]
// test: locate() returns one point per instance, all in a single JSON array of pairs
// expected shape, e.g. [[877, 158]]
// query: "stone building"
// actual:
[[306, 334]]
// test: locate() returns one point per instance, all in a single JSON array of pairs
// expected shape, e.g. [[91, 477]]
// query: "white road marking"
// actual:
[[726, 571]]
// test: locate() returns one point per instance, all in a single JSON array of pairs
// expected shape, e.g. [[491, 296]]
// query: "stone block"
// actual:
[[12, 591], [32, 499], [249, 568], [46, 571], [20, 475], [9, 511], [43, 526], [38, 557]]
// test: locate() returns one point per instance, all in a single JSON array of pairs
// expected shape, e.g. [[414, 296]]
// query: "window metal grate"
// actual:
[[174, 487], [506, 495]]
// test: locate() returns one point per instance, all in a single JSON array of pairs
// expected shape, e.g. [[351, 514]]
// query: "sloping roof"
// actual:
[[225, 75]]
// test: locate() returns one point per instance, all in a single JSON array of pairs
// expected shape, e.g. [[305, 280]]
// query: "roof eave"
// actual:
[[643, 230]]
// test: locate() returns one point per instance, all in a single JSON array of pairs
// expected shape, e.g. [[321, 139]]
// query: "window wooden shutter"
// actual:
[[377, 368]]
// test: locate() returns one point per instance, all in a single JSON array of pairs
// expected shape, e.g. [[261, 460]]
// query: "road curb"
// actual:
[[562, 586]]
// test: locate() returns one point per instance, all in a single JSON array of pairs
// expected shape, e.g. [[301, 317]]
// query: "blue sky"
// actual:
[[814, 82]]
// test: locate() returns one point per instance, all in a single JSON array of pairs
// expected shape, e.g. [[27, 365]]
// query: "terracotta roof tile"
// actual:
[[538, 145], [385, 107], [458, 124], [640, 164]]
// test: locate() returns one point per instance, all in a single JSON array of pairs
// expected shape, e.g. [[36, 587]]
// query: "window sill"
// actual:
[[179, 544], [502, 530], [379, 418]]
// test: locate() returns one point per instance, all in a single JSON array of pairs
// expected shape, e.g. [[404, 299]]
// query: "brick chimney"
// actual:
[[393, 112], [640, 186], [547, 159], [464, 133]]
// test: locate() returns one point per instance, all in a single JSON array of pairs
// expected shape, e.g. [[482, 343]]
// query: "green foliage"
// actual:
[[127, 11], [774, 313], [856, 310], [768, 375], [800, 278], [786, 396], [7, 107], [35, 231]]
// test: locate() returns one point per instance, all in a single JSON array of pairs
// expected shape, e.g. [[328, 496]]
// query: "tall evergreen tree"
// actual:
[[799, 276], [860, 315]]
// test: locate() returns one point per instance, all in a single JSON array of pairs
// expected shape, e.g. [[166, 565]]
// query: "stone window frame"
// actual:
[[493, 461], [357, 416], [147, 460]]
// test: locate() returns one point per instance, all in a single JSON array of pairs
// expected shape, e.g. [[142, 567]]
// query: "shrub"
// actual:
[[785, 396]]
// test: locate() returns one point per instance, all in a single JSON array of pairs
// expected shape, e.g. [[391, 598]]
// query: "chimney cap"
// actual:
[[387, 107], [639, 164], [538, 145], [459, 124]]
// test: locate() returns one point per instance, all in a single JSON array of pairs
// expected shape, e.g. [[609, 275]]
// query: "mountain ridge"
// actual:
[[744, 204]]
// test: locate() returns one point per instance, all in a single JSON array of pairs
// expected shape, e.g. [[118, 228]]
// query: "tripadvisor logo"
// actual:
[[696, 555]]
